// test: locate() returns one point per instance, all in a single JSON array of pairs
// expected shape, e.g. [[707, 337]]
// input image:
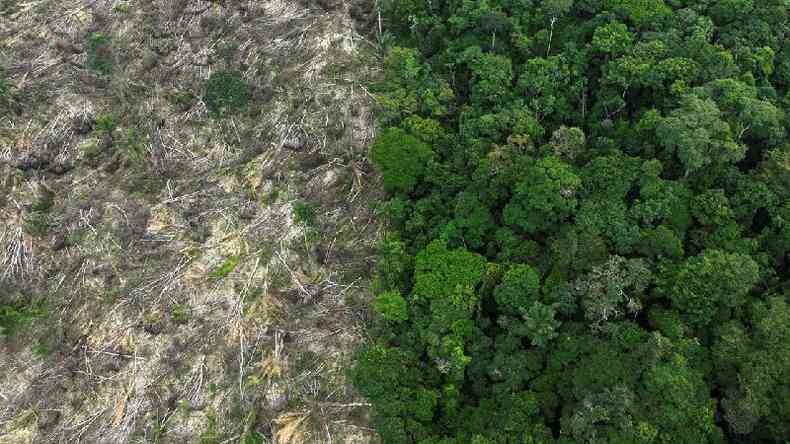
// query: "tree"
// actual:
[[698, 134], [612, 39], [541, 326], [613, 289], [518, 290], [392, 306], [547, 195], [754, 367], [445, 283], [402, 159], [711, 281]]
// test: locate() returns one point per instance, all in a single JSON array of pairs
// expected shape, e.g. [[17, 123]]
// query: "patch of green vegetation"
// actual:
[[110, 295], [18, 315], [250, 436], [105, 125], [4, 86], [36, 223], [305, 214], [44, 202], [42, 349], [227, 50], [133, 146], [225, 93], [226, 268], [212, 390], [122, 8], [92, 152], [76, 237], [100, 53], [181, 313]]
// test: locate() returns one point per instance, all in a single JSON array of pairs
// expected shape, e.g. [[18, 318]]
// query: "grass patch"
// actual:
[[225, 269], [305, 214], [181, 313]]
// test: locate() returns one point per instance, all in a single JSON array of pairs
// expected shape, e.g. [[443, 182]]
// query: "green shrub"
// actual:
[[181, 313], [100, 53], [225, 93], [36, 223], [18, 315], [225, 269], [305, 214], [105, 125]]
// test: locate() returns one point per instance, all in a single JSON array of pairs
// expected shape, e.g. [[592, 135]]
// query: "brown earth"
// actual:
[[200, 279]]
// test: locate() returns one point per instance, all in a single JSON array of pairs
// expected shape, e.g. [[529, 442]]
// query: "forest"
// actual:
[[589, 224]]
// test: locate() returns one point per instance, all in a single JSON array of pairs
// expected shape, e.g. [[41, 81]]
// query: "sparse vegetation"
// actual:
[[226, 268], [305, 214], [170, 250], [181, 313], [17, 315], [4, 86], [225, 93], [100, 53]]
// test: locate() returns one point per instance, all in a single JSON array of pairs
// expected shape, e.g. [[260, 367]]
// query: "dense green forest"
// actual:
[[590, 223]]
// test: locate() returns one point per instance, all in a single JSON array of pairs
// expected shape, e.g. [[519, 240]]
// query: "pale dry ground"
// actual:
[[145, 339]]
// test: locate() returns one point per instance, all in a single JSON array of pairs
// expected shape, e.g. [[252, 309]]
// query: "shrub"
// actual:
[[100, 53], [225, 93], [226, 268], [36, 223], [305, 214], [15, 316]]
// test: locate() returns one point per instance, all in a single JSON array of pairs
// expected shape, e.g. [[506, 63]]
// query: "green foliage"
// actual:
[[699, 135], [540, 323], [545, 196], [181, 313], [37, 221], [225, 93], [100, 57], [105, 125], [589, 234], [211, 434], [714, 280], [402, 159], [392, 306], [519, 289], [226, 268], [305, 214], [17, 315]]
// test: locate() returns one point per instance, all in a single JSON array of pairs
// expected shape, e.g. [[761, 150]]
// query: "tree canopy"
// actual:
[[588, 201]]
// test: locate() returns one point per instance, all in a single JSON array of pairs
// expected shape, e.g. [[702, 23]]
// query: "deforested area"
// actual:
[[186, 224], [589, 223]]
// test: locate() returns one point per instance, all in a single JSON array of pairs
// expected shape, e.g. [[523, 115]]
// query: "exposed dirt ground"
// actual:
[[197, 279]]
